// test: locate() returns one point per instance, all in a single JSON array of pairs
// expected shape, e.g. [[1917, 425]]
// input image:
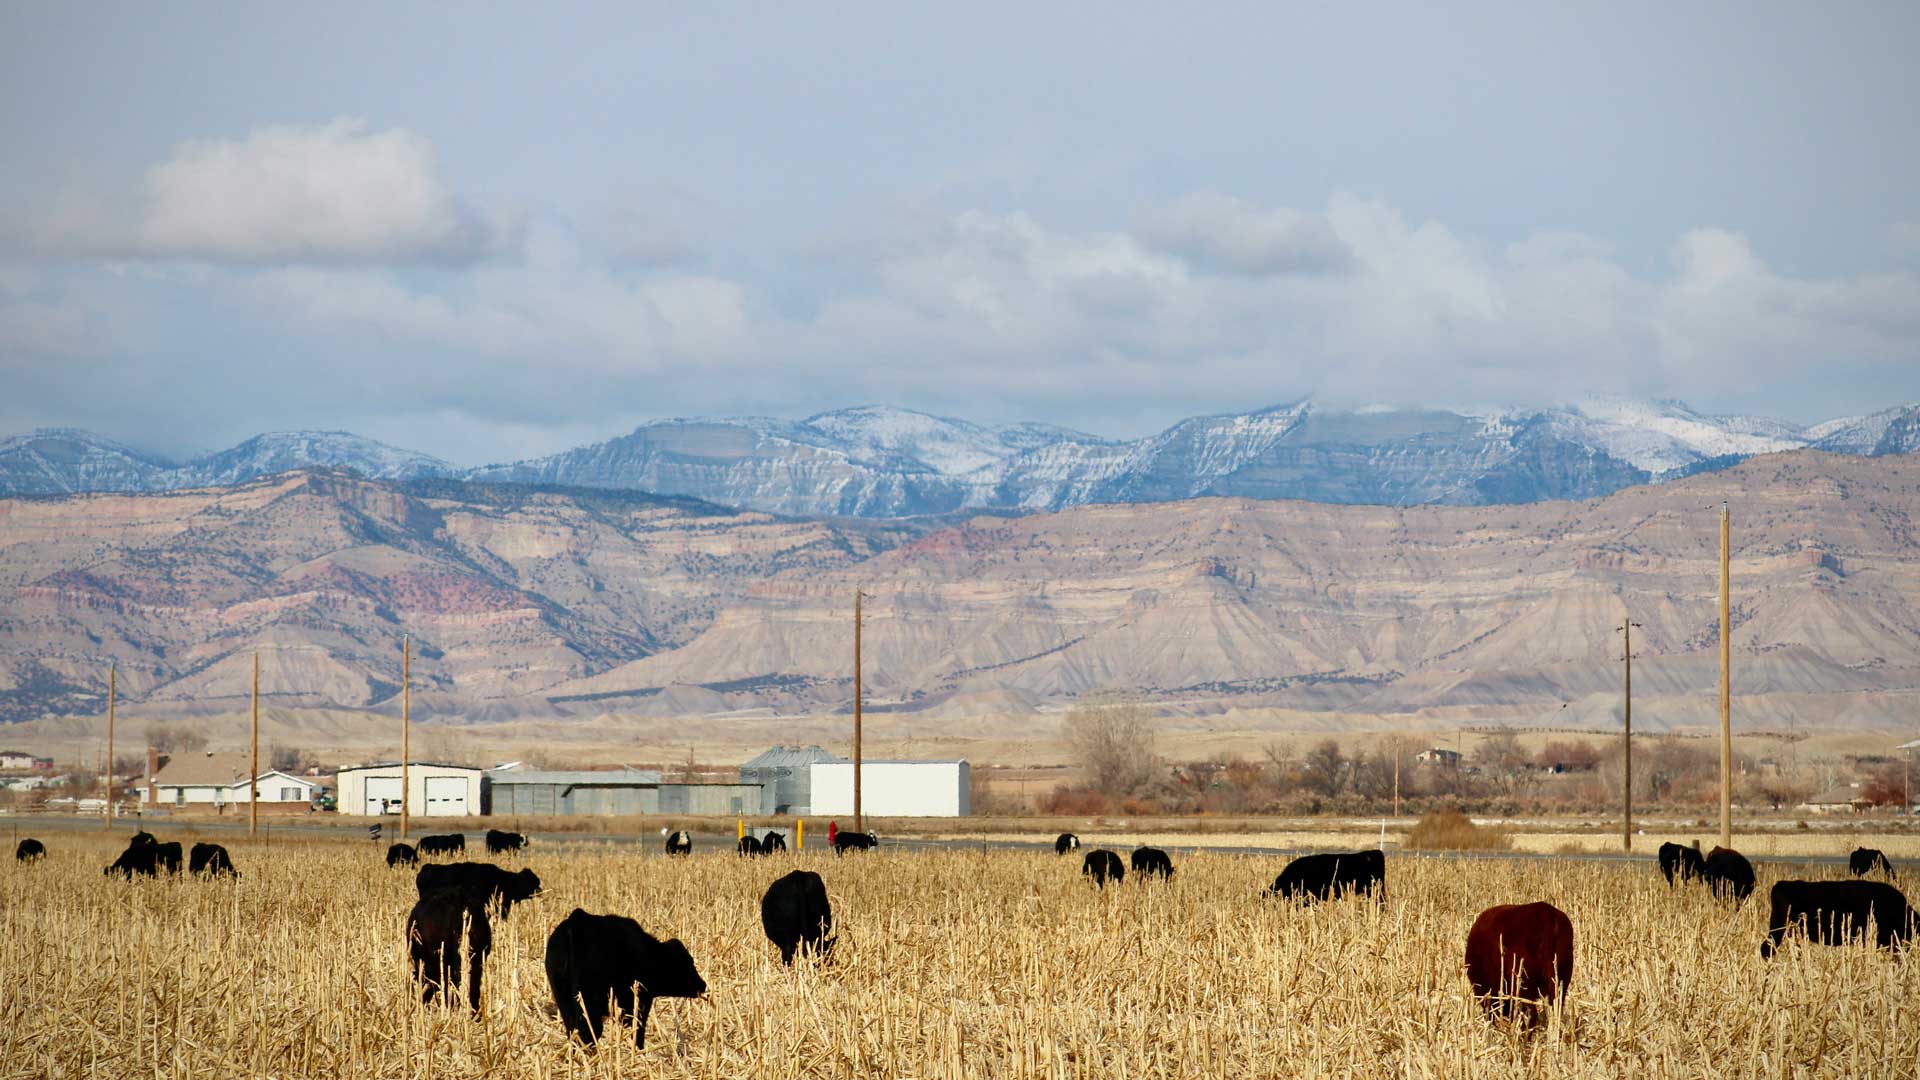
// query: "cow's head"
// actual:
[[669, 972], [522, 885]]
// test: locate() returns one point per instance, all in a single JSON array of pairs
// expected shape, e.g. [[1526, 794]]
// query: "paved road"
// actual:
[[650, 843]]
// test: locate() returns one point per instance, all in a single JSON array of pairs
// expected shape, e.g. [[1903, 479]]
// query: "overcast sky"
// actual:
[[493, 233]]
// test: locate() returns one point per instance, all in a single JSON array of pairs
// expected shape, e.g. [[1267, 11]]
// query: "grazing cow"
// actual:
[[1065, 842], [1866, 860], [1102, 865], [1331, 874], [1728, 872], [402, 855], [846, 840], [167, 855], [1519, 956], [444, 844], [482, 882], [1681, 863], [210, 859], [593, 957], [30, 850], [678, 843], [433, 937], [1832, 912], [750, 846], [773, 842], [500, 841], [1149, 861], [141, 857], [795, 914]]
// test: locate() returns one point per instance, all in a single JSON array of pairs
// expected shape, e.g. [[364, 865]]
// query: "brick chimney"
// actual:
[[153, 766]]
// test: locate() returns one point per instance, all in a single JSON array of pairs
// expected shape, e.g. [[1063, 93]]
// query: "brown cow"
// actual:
[[1519, 956]]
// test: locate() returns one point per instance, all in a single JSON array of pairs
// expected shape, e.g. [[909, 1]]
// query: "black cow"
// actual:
[[141, 857], [1151, 861], [1331, 874], [846, 840], [1681, 863], [773, 842], [483, 882], [795, 913], [1832, 912], [168, 855], [500, 841], [591, 958], [1728, 872], [679, 843], [210, 859], [444, 844], [30, 850], [402, 855], [1866, 860], [433, 937], [750, 846], [1102, 865], [1064, 843]]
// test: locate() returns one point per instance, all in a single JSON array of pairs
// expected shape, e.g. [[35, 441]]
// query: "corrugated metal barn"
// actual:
[[789, 771], [529, 792], [708, 799]]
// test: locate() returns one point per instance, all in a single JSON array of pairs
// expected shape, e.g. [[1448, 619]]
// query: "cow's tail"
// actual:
[[565, 980]]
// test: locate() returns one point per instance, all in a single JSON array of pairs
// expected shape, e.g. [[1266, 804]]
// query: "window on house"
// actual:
[[179, 796], [289, 794]]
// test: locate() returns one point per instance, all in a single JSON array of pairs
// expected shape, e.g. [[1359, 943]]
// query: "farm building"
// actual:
[[717, 798], [1839, 800], [604, 791], [19, 759], [217, 779], [790, 770], [892, 788], [434, 790]]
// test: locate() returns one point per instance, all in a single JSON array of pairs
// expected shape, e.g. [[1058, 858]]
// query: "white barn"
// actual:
[[434, 790], [892, 788]]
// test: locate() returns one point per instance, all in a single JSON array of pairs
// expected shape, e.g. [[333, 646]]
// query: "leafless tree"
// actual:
[[1326, 768], [1113, 742], [176, 737]]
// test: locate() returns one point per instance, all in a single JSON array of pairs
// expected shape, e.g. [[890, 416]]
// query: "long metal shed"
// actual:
[[576, 791], [788, 770]]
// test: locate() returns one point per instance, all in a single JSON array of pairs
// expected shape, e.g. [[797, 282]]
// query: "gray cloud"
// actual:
[[286, 193], [1221, 232]]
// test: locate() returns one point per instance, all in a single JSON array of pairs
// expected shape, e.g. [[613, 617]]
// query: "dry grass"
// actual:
[[1451, 830], [951, 964]]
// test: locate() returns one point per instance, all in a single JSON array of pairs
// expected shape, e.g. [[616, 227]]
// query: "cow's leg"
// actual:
[[644, 1010]]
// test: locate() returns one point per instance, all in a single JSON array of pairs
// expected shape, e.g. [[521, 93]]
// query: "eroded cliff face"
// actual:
[[530, 600]]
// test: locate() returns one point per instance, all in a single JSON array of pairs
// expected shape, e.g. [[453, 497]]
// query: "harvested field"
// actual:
[[950, 964]]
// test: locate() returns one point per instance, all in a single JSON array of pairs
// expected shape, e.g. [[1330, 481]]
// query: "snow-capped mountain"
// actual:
[[60, 461], [280, 451], [879, 461]]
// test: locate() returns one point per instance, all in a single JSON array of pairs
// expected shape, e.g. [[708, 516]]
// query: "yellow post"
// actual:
[[406, 720], [113, 681], [739, 829], [1726, 681], [253, 782], [799, 833]]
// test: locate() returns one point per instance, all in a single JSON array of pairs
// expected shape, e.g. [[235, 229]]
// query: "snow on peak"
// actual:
[[1666, 435]]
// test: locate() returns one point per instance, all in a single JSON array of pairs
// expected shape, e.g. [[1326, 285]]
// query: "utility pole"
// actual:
[[859, 824], [1726, 679], [1626, 746], [113, 671], [406, 716], [1396, 776], [253, 766]]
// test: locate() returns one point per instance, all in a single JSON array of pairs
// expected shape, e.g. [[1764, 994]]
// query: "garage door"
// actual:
[[446, 796], [383, 795]]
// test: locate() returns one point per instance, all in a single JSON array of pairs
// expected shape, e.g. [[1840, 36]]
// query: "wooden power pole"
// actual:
[[406, 718], [1726, 680], [253, 766], [1626, 746], [859, 824], [113, 671]]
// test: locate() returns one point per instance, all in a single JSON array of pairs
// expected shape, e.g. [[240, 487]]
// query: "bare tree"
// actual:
[[1113, 742], [176, 737], [1326, 768], [289, 759]]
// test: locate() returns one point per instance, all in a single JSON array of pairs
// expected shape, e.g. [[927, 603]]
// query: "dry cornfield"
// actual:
[[953, 963]]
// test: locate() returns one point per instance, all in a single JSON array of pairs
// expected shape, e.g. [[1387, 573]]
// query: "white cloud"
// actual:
[[1906, 236], [1220, 231], [329, 193]]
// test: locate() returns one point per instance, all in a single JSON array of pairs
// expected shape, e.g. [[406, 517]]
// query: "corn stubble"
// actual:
[[950, 964]]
